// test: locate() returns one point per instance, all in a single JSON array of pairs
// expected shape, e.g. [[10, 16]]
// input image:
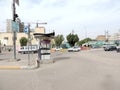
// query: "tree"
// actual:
[[72, 39], [58, 40], [52, 43], [87, 39], [23, 41], [84, 41]]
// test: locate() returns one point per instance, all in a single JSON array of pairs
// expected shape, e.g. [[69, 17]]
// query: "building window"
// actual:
[[6, 38]]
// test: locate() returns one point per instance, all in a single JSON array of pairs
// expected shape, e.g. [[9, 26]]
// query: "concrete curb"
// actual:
[[10, 67], [19, 67]]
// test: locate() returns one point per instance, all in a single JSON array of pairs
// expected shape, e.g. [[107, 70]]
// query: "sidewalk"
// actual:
[[22, 62]]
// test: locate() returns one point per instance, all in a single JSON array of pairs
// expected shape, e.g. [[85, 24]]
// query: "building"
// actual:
[[40, 30], [115, 36], [7, 38], [101, 38], [21, 27], [9, 25]]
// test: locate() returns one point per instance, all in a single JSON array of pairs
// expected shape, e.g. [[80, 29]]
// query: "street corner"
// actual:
[[15, 67], [18, 67]]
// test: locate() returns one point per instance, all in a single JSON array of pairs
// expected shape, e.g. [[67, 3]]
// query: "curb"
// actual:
[[10, 67], [19, 67]]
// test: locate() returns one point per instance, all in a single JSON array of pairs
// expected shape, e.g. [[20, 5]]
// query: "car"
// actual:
[[110, 47], [118, 48], [74, 49], [31, 49], [58, 49]]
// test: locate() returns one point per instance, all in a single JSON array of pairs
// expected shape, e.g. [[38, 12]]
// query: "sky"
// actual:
[[87, 18]]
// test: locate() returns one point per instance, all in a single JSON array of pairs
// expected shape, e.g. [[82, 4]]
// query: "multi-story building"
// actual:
[[9, 25], [115, 36], [21, 27]]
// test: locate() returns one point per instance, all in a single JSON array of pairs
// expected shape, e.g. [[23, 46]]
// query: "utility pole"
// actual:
[[106, 35], [29, 44], [14, 33], [14, 20]]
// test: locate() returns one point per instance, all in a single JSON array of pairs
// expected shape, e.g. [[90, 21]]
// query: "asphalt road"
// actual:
[[85, 70]]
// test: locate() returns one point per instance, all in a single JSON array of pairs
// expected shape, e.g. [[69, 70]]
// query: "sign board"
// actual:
[[15, 26], [26, 29]]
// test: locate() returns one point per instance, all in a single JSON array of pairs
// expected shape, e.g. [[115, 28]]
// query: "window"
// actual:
[[6, 38]]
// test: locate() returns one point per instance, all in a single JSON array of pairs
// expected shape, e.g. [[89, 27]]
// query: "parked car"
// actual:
[[110, 47], [31, 49], [58, 49], [118, 48], [74, 49]]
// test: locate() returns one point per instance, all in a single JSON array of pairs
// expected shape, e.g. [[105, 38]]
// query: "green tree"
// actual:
[[84, 41], [72, 39], [58, 40], [23, 41], [52, 43]]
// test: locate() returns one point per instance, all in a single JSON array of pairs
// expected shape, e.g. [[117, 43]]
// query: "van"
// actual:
[[28, 49]]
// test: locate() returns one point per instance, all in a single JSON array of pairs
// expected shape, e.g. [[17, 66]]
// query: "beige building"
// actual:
[[101, 38], [115, 36], [7, 38], [40, 30]]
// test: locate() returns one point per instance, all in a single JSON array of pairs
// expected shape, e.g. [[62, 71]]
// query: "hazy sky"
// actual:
[[86, 17]]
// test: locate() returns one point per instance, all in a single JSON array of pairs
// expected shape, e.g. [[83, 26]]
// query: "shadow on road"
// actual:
[[60, 58], [4, 59]]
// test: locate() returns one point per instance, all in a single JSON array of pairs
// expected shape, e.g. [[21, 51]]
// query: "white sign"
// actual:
[[26, 29]]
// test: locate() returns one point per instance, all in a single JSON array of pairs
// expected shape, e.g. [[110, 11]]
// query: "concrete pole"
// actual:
[[14, 33], [29, 43]]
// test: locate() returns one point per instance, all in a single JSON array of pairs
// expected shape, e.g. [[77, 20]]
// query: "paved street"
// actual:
[[85, 70]]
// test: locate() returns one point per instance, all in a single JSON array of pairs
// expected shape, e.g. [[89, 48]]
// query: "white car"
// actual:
[[74, 49], [58, 49]]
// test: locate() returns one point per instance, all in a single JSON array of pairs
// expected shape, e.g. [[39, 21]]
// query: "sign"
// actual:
[[15, 26], [26, 29]]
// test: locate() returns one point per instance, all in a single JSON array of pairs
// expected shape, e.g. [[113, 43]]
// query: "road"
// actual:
[[85, 70]]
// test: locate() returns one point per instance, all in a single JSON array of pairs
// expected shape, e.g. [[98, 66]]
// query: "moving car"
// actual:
[[74, 49], [58, 49]]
